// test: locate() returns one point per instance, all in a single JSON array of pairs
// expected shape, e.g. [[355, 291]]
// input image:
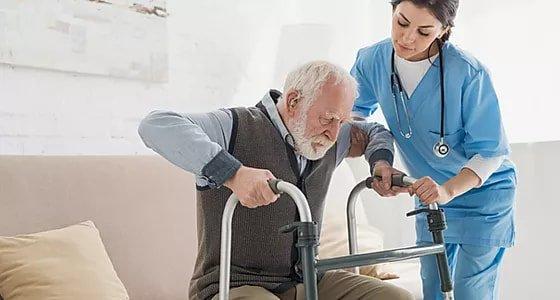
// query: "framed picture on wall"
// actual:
[[117, 38]]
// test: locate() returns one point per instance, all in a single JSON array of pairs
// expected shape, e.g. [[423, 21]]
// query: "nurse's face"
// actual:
[[414, 29]]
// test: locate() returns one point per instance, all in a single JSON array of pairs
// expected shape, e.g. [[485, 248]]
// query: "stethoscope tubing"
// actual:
[[441, 149]]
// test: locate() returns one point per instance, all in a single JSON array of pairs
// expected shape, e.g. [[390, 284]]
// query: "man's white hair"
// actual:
[[309, 78]]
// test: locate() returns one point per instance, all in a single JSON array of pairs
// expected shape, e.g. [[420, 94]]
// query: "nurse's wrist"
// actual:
[[449, 190]]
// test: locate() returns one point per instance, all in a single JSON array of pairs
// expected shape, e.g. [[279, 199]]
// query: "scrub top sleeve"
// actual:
[[365, 104], [484, 131]]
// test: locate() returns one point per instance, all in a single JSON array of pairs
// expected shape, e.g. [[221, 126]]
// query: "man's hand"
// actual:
[[251, 187], [358, 142], [383, 186], [430, 191]]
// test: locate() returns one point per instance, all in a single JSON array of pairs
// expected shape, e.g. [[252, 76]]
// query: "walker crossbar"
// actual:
[[365, 259]]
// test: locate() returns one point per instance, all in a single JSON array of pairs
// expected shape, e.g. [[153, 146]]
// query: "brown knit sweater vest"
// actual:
[[261, 256]]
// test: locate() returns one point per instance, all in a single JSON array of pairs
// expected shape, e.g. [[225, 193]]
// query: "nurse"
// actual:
[[442, 109]]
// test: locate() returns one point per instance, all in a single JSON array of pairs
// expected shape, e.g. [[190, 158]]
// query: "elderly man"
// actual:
[[300, 137]]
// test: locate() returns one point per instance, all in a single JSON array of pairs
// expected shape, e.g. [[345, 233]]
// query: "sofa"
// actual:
[[144, 209]]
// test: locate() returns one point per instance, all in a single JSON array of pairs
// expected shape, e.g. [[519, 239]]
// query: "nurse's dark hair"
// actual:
[[444, 10]]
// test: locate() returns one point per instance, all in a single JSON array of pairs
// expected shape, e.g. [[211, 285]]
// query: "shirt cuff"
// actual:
[[358, 116], [484, 167], [221, 168], [381, 154]]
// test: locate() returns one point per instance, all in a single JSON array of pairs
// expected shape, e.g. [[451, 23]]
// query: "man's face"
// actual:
[[316, 130]]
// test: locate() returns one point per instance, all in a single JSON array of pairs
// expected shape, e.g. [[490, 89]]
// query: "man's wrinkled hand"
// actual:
[[250, 185], [383, 187]]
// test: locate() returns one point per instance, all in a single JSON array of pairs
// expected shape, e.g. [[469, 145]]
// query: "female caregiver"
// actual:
[[442, 109]]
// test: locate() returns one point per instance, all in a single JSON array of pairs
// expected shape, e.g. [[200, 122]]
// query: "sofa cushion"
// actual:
[[67, 263]]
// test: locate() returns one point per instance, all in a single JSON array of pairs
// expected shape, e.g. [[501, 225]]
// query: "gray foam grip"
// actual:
[[273, 183]]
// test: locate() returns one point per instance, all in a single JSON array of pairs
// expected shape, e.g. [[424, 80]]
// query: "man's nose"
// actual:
[[332, 130]]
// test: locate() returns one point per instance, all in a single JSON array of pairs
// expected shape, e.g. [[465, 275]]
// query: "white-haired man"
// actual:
[[300, 137]]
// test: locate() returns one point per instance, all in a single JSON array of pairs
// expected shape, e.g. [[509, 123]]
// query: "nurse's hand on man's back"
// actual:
[[358, 142], [383, 187], [250, 185]]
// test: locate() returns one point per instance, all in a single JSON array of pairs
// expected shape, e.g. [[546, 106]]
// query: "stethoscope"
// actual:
[[441, 148]]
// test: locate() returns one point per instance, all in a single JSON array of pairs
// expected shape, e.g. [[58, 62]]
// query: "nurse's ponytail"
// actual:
[[444, 10]]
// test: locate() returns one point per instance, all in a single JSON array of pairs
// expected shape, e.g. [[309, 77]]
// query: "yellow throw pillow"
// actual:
[[64, 264]]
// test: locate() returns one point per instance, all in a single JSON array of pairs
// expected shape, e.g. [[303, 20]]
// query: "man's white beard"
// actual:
[[304, 145]]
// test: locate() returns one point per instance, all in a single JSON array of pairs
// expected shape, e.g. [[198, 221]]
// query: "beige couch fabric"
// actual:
[[142, 205]]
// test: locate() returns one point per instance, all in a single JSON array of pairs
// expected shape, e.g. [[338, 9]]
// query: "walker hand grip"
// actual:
[[396, 180], [273, 184]]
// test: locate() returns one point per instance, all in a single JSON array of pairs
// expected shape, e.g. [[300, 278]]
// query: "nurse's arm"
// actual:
[[462, 183], [477, 170], [429, 191]]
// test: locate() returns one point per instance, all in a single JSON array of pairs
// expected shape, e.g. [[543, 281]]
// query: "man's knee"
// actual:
[[248, 292], [383, 290], [345, 285], [392, 292]]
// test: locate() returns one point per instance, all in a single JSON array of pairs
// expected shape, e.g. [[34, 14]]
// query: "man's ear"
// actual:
[[292, 100]]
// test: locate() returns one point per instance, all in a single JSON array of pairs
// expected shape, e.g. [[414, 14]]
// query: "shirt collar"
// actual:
[[269, 102]]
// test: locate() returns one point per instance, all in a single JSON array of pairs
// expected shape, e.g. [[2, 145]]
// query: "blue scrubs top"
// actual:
[[485, 215]]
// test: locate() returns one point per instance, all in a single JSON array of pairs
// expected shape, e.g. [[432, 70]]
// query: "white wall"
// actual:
[[227, 53], [43, 112], [531, 267], [221, 53]]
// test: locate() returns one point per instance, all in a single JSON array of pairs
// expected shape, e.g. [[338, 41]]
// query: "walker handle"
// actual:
[[396, 180], [401, 180], [273, 184]]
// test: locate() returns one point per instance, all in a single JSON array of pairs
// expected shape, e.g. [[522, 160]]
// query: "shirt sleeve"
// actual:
[[366, 103], [380, 146], [484, 131], [484, 167], [196, 143]]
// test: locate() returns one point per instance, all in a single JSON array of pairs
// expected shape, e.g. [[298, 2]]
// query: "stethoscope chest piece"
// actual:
[[441, 149]]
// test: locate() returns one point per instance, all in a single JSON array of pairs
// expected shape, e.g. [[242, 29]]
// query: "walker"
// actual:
[[308, 240]]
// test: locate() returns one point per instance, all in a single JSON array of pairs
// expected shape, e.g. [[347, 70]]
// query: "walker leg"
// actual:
[[436, 225], [309, 273], [443, 268], [307, 241]]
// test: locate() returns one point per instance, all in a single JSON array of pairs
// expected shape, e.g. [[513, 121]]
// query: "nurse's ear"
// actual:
[[443, 32]]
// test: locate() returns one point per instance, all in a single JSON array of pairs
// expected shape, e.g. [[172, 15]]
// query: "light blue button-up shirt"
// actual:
[[198, 143]]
